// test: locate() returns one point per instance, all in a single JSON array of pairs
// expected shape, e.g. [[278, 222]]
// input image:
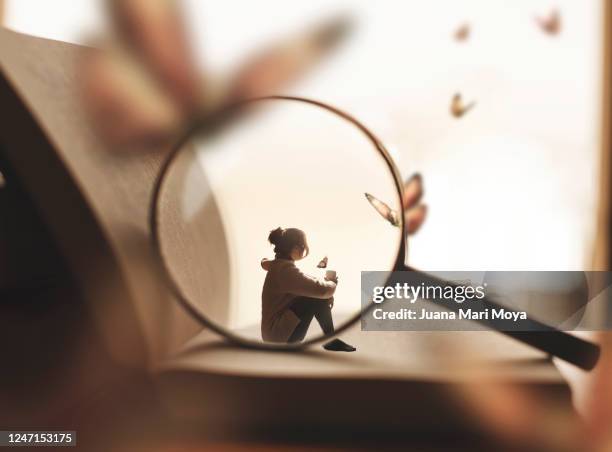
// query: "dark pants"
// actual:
[[306, 308]]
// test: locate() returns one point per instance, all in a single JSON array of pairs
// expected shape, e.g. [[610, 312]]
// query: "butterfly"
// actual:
[[458, 109], [323, 263], [552, 24], [462, 33], [383, 209], [414, 210]]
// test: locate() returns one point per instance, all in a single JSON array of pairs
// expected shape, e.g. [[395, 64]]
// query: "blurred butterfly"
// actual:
[[462, 33], [552, 24], [384, 210], [458, 109], [415, 211], [323, 263]]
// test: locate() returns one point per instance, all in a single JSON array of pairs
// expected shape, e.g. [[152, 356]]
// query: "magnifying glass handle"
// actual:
[[572, 349], [560, 344]]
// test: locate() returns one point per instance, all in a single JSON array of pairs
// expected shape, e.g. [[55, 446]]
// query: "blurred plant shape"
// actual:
[[141, 86]]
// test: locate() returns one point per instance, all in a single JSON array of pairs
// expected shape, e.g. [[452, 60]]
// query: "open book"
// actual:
[[96, 201]]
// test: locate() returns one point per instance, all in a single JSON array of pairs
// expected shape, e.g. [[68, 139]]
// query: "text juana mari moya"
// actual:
[[457, 293]]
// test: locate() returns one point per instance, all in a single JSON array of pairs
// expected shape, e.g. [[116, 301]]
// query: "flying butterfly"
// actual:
[[323, 263], [458, 108], [415, 210], [550, 24], [462, 33], [384, 210]]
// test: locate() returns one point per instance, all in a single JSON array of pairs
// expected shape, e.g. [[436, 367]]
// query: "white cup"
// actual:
[[330, 275]]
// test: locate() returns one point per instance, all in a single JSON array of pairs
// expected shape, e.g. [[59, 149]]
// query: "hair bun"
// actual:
[[276, 235]]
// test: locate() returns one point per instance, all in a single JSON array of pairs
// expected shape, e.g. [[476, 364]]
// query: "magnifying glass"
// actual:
[[287, 162]]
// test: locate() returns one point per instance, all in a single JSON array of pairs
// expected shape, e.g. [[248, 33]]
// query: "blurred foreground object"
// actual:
[[142, 87], [515, 415], [598, 404], [458, 109], [550, 24]]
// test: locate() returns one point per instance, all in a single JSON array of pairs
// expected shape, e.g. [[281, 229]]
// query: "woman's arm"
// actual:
[[293, 281]]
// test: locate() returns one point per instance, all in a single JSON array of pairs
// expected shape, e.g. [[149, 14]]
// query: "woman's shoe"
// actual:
[[338, 345]]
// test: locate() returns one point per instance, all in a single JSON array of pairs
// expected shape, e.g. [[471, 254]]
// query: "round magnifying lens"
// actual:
[[287, 163]]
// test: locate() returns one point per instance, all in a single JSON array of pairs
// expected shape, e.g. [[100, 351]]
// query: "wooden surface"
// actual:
[[94, 198]]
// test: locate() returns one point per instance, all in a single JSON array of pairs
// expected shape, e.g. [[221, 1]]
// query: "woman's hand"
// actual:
[[334, 279]]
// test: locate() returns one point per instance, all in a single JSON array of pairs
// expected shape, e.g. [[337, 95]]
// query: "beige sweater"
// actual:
[[283, 283]]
